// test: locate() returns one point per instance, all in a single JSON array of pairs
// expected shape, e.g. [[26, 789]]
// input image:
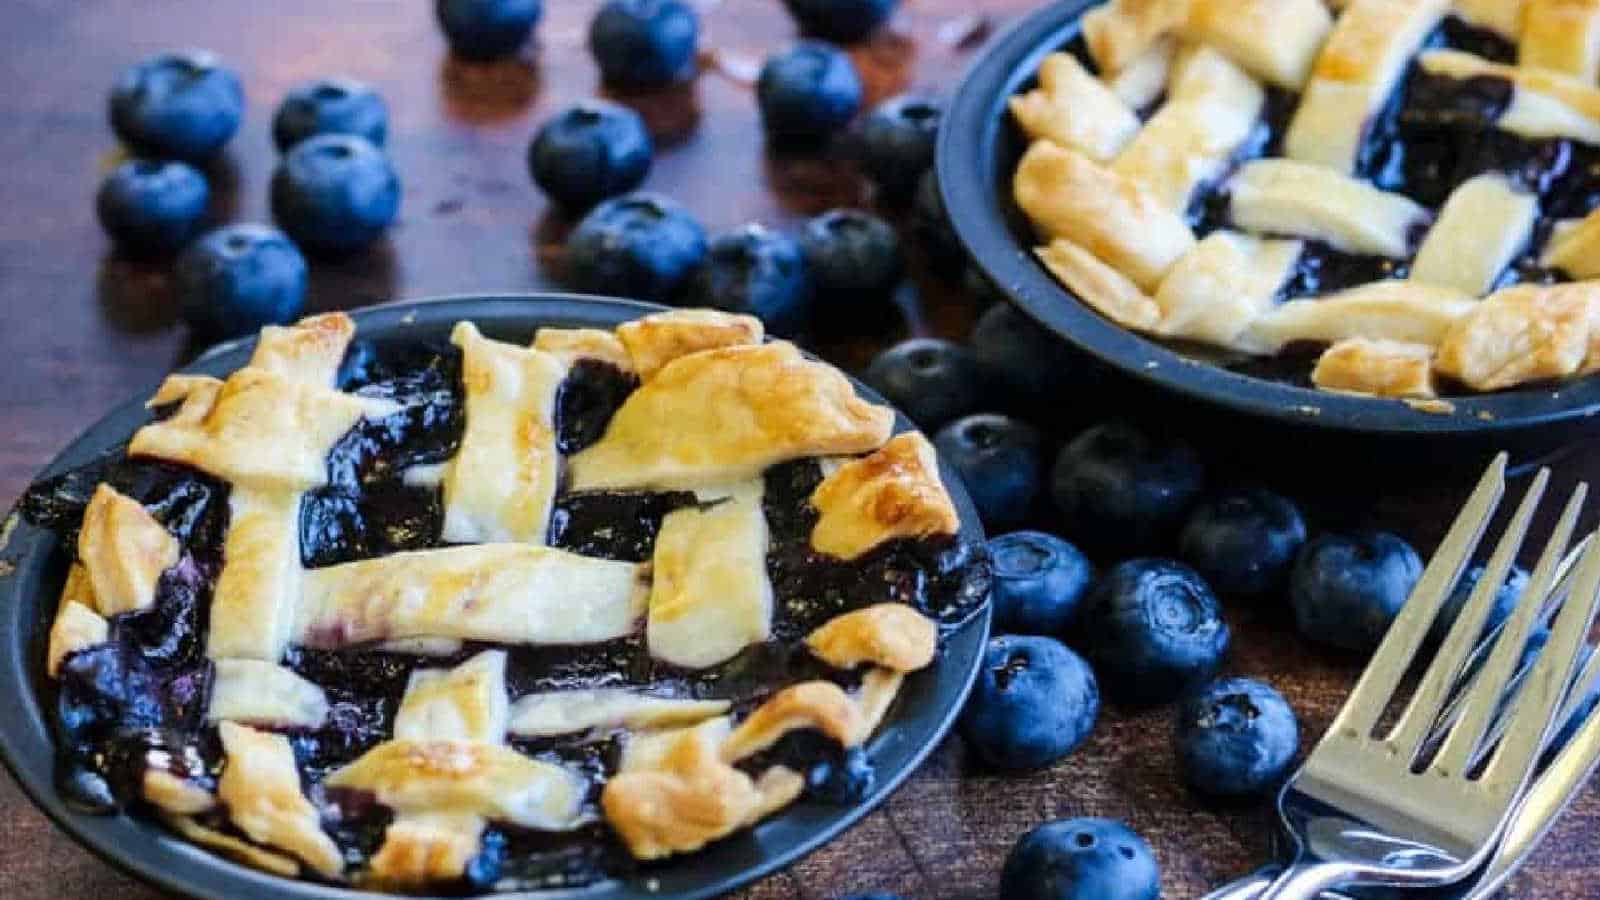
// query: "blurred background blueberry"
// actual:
[[1153, 629], [808, 92], [335, 193], [853, 258], [997, 458], [644, 43], [756, 271], [1033, 703], [330, 106], [592, 150], [487, 29], [178, 105], [151, 207], [1346, 589], [930, 224], [1122, 491], [845, 21], [638, 245], [236, 279], [896, 143], [1235, 737], [1040, 581], [1244, 542], [1080, 859], [931, 380], [1034, 369], [1505, 600]]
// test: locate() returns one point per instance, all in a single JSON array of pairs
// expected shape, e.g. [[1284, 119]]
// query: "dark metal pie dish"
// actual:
[[980, 146], [33, 569]]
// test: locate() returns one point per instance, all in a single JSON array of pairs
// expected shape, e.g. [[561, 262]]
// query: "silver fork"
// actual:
[[1569, 768], [1372, 809]]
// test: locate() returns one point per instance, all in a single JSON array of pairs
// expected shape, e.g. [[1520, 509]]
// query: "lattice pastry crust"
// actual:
[[1173, 113]]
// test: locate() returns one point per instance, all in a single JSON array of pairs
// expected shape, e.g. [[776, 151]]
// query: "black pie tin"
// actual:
[[33, 567], [978, 150]]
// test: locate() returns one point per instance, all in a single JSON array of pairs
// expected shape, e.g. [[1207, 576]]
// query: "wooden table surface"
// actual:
[[81, 329]]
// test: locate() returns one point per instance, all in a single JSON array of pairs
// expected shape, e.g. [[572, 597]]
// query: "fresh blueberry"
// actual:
[[931, 225], [1153, 629], [757, 271], [335, 192], [644, 43], [1039, 582], [1122, 491], [1080, 859], [808, 92], [1244, 542], [1235, 737], [638, 245], [330, 106], [1032, 367], [932, 381], [487, 29], [844, 21], [853, 257], [897, 143], [182, 105], [238, 278], [590, 151], [1033, 703], [151, 207], [1505, 600], [997, 458], [1347, 589]]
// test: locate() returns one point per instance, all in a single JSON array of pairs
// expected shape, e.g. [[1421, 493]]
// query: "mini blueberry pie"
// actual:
[[1407, 187], [489, 616]]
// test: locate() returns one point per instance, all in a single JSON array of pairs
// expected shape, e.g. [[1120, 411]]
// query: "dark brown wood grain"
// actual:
[[81, 330]]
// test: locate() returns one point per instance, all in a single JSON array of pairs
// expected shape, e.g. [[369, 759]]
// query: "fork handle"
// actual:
[[1249, 887], [1305, 881]]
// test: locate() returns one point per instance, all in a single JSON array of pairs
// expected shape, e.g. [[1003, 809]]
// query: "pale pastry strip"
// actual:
[[1376, 368], [1102, 287], [1574, 247], [1298, 199], [1142, 81], [232, 847], [422, 849], [1075, 109], [1212, 107], [1276, 40], [893, 492], [466, 703], [500, 485], [710, 596], [655, 340], [260, 786], [1217, 289], [1355, 72], [675, 793], [265, 695], [172, 794], [1485, 222], [1561, 35], [505, 593], [1523, 333], [253, 605], [308, 351], [467, 778], [1407, 311], [1067, 195], [1543, 104], [576, 712], [1118, 32], [733, 412], [124, 550], [891, 636], [573, 345], [76, 627]]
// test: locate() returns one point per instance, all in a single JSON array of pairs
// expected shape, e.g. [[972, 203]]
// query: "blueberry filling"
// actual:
[[137, 702]]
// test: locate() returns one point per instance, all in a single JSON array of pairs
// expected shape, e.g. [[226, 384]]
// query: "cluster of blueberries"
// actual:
[[1149, 630], [335, 189]]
